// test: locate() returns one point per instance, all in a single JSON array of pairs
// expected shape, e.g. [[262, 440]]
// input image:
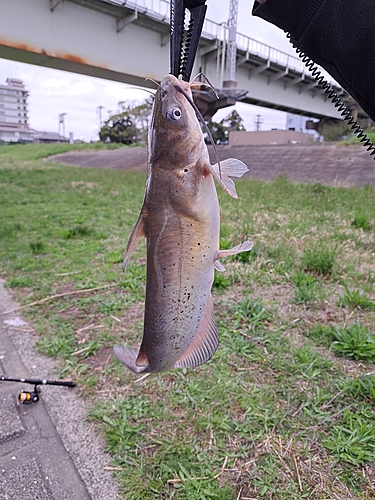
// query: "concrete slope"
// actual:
[[328, 163]]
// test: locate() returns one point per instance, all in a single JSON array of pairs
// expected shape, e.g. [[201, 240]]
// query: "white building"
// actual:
[[298, 123], [14, 125], [13, 103]]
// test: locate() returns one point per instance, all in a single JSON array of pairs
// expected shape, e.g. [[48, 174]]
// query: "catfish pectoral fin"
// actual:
[[128, 357], [138, 232], [230, 167], [204, 343]]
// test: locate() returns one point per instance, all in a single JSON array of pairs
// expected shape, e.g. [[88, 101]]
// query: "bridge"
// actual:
[[128, 41]]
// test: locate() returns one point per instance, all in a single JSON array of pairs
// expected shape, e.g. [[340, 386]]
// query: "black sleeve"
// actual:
[[339, 35]]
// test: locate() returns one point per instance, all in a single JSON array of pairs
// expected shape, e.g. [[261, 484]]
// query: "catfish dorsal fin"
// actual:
[[228, 168], [204, 343], [138, 232]]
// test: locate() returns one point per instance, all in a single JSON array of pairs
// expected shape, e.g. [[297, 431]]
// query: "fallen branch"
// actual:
[[297, 472], [173, 481], [178, 480], [57, 296], [75, 353]]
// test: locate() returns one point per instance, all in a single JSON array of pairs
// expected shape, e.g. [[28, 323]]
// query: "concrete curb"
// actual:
[[48, 450]]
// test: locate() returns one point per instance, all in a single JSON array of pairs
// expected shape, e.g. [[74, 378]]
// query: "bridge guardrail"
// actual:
[[214, 30]]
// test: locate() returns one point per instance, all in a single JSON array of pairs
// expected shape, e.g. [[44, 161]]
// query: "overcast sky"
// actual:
[[53, 92]]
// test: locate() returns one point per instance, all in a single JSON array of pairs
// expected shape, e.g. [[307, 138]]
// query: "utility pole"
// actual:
[[258, 121], [62, 124], [232, 45], [99, 109]]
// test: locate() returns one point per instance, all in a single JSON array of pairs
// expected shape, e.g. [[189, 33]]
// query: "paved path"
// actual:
[[48, 450], [328, 163]]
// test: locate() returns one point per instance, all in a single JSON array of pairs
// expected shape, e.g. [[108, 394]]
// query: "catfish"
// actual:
[[180, 217]]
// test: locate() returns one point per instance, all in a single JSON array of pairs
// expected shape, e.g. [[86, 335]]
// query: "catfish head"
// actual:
[[175, 131]]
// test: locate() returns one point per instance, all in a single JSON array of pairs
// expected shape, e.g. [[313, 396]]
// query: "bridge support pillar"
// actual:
[[208, 102]]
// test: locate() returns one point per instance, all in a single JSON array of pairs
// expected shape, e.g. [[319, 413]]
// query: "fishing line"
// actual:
[[208, 84], [154, 81], [202, 120], [334, 98]]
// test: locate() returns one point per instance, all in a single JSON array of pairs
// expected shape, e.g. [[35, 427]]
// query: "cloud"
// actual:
[[55, 82]]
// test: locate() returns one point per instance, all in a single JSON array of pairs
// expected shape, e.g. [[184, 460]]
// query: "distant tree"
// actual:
[[219, 133], [142, 117], [129, 125], [233, 121], [220, 130]]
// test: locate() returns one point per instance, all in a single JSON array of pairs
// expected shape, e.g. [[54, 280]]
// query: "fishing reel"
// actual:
[[29, 397]]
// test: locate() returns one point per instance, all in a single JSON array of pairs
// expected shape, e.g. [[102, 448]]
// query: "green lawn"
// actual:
[[285, 408]]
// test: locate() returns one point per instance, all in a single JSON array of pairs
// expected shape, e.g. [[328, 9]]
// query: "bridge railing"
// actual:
[[251, 46], [214, 30], [160, 7]]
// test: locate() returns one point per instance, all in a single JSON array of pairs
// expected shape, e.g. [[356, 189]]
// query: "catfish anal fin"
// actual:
[[204, 343]]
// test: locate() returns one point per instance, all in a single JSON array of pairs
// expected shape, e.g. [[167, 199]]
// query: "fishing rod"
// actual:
[[28, 397]]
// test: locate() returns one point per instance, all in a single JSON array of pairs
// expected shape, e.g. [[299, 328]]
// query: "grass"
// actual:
[[284, 410]]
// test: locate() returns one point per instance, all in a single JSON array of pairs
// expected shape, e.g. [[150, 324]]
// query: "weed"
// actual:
[[319, 259], [37, 247], [114, 257], [362, 386], [361, 221], [111, 305], [76, 231], [354, 341], [355, 299], [308, 288], [321, 334], [251, 312], [221, 282], [352, 439]]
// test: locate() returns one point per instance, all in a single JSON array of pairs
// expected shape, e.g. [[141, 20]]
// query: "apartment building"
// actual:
[[13, 103], [14, 124]]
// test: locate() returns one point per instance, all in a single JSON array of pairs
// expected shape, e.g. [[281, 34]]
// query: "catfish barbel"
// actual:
[[180, 217]]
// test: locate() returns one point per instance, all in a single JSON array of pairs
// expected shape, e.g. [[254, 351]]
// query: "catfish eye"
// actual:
[[174, 113]]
